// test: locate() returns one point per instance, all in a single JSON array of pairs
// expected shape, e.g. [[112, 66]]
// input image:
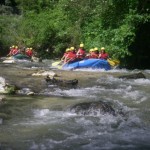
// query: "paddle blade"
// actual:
[[114, 62], [56, 63]]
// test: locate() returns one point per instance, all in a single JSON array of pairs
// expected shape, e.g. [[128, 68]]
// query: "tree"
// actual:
[[58, 24]]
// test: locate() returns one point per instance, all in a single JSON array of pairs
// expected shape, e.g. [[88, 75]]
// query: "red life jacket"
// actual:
[[93, 55], [80, 53], [15, 51], [103, 55], [29, 53], [71, 55]]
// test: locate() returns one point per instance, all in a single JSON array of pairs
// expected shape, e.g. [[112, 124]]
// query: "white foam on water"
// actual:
[[109, 85], [40, 112], [103, 70], [2, 81], [132, 121], [118, 70], [57, 92], [24, 91], [147, 71], [112, 79], [49, 144], [45, 116], [52, 85], [117, 87], [2, 84], [107, 119], [127, 93], [142, 81], [131, 94], [83, 121], [86, 92], [141, 100], [109, 79], [84, 131], [91, 70], [100, 119], [125, 109], [126, 88], [80, 92]]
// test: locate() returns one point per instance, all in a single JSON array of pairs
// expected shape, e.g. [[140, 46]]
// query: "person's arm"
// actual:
[[62, 59], [10, 53], [66, 57], [78, 53], [99, 56]]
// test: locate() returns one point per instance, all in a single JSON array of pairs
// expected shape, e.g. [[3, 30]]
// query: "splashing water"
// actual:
[[44, 122]]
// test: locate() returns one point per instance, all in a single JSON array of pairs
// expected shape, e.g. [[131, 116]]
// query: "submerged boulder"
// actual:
[[92, 108], [26, 91], [64, 83], [133, 76]]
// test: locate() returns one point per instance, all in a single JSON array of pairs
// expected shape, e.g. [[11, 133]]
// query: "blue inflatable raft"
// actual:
[[88, 63]]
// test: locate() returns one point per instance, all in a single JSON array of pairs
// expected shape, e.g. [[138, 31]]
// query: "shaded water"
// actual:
[[44, 122]]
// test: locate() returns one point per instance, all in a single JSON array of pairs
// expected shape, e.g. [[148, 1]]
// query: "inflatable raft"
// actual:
[[86, 63], [16, 58]]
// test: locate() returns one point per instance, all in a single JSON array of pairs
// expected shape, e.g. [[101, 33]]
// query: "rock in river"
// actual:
[[92, 108], [133, 76], [60, 82]]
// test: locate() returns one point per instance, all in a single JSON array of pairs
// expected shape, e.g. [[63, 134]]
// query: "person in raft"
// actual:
[[65, 54], [103, 54], [80, 52], [71, 56], [95, 53], [13, 51], [88, 55], [29, 52]]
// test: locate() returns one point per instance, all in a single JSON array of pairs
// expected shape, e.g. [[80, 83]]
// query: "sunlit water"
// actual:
[[44, 122]]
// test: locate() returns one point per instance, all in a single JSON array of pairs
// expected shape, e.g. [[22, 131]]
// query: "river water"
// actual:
[[44, 122]]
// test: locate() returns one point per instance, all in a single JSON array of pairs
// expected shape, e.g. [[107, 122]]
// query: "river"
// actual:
[[44, 122]]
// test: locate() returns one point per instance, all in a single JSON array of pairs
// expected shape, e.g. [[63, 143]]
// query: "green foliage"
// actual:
[[10, 90], [54, 25], [8, 32]]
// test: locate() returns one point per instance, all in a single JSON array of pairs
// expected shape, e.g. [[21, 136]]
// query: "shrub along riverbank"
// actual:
[[58, 24]]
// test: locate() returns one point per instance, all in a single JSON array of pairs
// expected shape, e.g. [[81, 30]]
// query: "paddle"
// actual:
[[58, 64], [113, 62], [55, 64]]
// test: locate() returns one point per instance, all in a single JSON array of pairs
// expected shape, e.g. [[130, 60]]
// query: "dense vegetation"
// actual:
[[55, 25]]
